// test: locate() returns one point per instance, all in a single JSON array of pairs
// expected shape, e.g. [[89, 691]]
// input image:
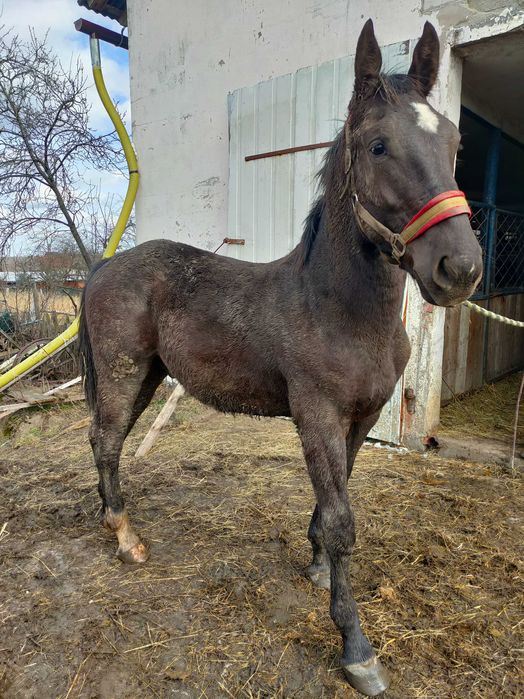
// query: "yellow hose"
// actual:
[[68, 336], [129, 152]]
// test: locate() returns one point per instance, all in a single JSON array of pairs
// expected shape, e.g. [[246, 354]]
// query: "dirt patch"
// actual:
[[222, 609], [486, 451]]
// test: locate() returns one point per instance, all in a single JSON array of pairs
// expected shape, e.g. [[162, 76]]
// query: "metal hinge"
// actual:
[[411, 400]]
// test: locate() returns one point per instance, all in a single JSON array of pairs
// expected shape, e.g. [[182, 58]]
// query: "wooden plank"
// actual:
[[506, 344], [161, 419], [63, 386], [7, 410], [448, 359], [475, 353], [499, 354], [462, 348]]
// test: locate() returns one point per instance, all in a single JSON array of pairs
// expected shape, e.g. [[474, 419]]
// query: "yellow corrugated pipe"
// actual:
[[69, 335]]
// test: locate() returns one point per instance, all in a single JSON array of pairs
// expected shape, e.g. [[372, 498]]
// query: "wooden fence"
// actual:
[[478, 350]]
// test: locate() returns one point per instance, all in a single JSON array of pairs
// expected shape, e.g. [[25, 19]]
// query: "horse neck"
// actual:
[[344, 267]]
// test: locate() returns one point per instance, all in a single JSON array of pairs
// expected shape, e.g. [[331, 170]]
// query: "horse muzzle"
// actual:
[[448, 265]]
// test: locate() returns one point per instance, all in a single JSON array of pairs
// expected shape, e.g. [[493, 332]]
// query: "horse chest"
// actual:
[[367, 379]]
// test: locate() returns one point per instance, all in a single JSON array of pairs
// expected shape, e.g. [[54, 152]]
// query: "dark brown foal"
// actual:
[[316, 335]]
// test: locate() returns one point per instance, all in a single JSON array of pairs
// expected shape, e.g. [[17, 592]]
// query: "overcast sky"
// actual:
[[57, 17]]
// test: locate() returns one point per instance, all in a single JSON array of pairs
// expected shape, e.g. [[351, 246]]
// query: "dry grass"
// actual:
[[488, 412], [21, 300], [222, 609]]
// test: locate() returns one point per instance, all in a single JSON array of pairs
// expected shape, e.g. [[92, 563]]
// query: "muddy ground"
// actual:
[[222, 609]]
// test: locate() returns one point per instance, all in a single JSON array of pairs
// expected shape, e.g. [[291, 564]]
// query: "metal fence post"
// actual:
[[490, 197]]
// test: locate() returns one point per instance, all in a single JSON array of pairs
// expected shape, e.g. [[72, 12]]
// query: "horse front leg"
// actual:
[[324, 442], [319, 570]]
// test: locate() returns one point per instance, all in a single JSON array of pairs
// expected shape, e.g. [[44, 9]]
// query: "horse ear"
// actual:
[[424, 66], [368, 61]]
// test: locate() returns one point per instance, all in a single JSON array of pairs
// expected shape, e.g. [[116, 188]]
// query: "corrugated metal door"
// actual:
[[269, 198]]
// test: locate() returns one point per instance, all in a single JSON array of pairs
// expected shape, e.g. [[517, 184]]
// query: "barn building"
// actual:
[[233, 104]]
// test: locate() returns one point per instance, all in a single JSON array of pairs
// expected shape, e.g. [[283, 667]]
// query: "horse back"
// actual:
[[212, 320]]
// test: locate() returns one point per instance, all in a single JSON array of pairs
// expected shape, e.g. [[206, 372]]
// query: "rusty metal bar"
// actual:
[[102, 33], [286, 151], [234, 241]]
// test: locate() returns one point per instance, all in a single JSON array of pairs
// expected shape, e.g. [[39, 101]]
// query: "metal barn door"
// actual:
[[270, 196]]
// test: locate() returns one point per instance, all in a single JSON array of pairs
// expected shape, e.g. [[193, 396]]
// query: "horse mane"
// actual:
[[311, 225], [389, 88]]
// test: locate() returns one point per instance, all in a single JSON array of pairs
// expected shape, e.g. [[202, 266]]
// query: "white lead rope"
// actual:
[[494, 316]]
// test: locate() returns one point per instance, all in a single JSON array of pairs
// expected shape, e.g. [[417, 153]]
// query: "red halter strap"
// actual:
[[443, 206]]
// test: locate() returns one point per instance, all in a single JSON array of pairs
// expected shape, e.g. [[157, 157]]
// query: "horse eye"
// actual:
[[378, 148]]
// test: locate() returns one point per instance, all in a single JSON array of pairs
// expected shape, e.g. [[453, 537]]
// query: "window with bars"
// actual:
[[508, 273], [504, 267]]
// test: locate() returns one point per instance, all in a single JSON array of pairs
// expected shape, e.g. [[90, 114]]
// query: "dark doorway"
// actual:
[[490, 170]]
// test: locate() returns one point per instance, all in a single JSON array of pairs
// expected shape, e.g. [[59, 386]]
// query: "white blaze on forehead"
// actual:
[[426, 118]]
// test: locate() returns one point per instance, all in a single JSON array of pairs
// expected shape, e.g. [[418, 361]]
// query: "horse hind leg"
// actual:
[[156, 374], [118, 406], [108, 431]]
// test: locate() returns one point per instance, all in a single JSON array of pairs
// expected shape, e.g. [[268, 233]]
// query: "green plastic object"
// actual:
[[6, 322]]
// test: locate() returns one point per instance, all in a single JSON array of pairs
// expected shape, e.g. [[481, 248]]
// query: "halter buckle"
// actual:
[[398, 248]]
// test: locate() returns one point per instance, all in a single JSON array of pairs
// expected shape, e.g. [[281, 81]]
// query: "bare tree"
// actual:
[[100, 216], [46, 147], [57, 269]]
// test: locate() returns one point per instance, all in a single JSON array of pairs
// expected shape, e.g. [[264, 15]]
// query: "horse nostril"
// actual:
[[456, 271], [444, 274], [449, 268]]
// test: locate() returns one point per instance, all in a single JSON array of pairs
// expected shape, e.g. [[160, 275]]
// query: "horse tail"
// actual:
[[87, 364]]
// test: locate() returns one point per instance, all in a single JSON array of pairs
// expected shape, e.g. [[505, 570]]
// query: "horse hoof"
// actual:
[[138, 553], [320, 577], [369, 678]]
